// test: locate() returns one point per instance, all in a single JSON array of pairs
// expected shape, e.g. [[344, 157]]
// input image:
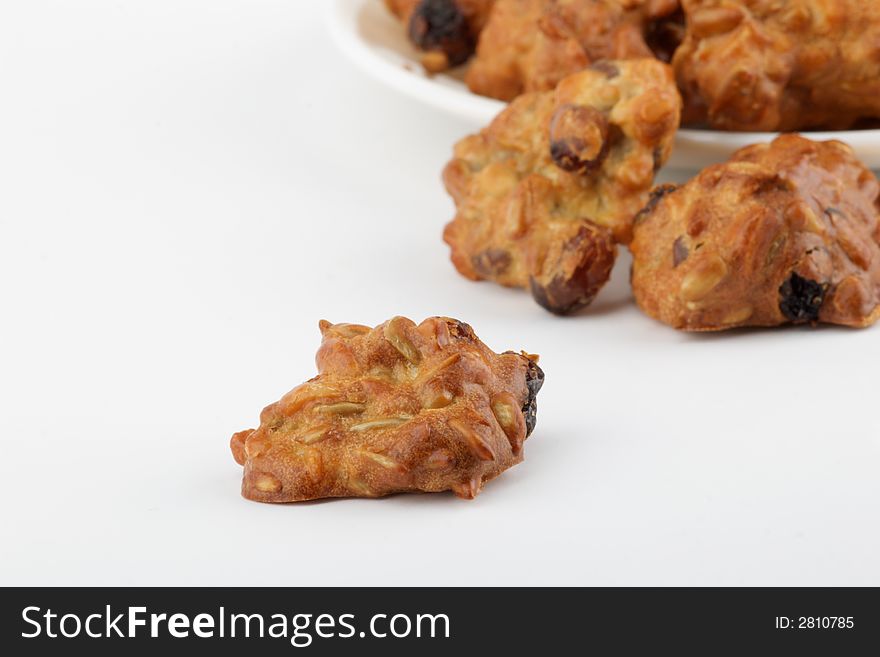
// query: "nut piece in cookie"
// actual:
[[544, 193], [530, 45], [396, 408], [786, 232], [445, 30], [780, 66]]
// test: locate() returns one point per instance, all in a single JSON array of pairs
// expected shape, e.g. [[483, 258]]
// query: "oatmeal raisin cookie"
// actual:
[[786, 232], [545, 192]]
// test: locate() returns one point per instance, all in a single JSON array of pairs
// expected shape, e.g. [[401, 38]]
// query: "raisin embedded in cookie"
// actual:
[[445, 31], [786, 232], [396, 408], [545, 192]]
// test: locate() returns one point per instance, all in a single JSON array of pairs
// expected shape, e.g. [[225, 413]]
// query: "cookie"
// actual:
[[396, 408], [780, 66], [531, 45], [545, 192], [783, 233]]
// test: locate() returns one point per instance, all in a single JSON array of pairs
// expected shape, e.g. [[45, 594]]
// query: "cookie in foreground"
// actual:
[[544, 193], [396, 408], [786, 232]]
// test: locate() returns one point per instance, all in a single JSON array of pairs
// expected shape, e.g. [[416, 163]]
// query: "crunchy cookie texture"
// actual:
[[530, 45], [787, 232], [770, 65], [544, 192], [445, 30], [396, 408]]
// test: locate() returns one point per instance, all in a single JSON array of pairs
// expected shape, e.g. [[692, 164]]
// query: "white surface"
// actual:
[[374, 39], [187, 187]]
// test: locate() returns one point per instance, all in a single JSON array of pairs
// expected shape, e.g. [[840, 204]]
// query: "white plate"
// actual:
[[368, 34]]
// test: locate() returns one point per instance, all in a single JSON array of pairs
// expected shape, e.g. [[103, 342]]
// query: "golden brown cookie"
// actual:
[[445, 30], [396, 408], [546, 190], [530, 45], [770, 65], [787, 232]]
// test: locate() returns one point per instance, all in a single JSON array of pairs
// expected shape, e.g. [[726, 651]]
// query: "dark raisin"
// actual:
[[534, 381], [564, 153], [556, 296], [587, 258], [679, 252], [654, 199], [657, 158], [579, 138], [664, 35], [460, 330], [491, 262], [866, 123], [801, 299], [440, 25]]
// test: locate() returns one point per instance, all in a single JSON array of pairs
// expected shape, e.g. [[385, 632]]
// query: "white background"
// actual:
[[186, 187]]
